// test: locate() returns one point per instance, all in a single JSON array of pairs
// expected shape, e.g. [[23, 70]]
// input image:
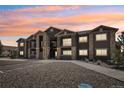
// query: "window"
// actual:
[[33, 44], [67, 42], [83, 52], [67, 52], [55, 53], [101, 37], [21, 44], [122, 48], [41, 43], [33, 52], [101, 52], [51, 30], [21, 53], [83, 39]]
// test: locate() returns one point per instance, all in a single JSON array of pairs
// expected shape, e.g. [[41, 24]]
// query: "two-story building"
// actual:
[[54, 43]]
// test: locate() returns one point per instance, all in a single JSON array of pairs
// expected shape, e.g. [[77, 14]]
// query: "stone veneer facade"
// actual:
[[44, 44]]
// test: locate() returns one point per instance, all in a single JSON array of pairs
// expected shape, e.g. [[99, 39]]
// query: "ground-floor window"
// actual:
[[55, 53], [83, 52], [21, 52], [67, 52], [33, 52], [101, 52]]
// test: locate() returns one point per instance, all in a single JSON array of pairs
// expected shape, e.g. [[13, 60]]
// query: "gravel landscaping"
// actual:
[[56, 74], [4, 62]]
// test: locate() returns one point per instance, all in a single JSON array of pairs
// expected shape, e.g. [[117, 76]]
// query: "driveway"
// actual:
[[52, 73]]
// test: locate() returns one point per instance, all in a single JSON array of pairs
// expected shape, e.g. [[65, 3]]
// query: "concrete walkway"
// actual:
[[103, 70]]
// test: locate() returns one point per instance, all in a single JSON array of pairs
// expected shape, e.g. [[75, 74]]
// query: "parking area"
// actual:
[[51, 73]]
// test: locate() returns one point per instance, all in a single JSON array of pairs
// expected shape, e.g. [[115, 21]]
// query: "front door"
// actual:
[[52, 49], [52, 53]]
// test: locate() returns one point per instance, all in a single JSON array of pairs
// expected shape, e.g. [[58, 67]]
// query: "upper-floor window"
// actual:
[[22, 44], [33, 44], [101, 52], [82, 39], [101, 37], [67, 52], [41, 43], [51, 30], [67, 42], [83, 52], [21, 52]]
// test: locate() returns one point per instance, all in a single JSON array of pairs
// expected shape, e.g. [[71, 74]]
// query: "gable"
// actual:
[[38, 33], [64, 32], [104, 28], [52, 30], [20, 40]]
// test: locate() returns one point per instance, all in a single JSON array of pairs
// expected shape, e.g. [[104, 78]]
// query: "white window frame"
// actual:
[[83, 39], [22, 44], [101, 37], [67, 52], [83, 52], [102, 52], [21, 53], [67, 41]]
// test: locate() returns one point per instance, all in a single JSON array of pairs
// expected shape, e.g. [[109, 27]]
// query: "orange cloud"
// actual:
[[24, 26], [18, 31], [22, 22], [17, 23], [9, 42]]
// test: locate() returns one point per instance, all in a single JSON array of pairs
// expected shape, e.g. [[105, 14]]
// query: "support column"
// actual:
[[74, 46], [46, 48], [25, 49], [91, 46], [29, 52], [112, 43], [58, 53], [74, 49], [58, 48], [37, 47]]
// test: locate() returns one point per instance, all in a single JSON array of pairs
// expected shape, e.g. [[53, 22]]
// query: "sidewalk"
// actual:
[[103, 70]]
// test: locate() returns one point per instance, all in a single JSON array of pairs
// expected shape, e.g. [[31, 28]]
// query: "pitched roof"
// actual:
[[30, 36], [52, 28], [20, 39], [38, 32], [84, 32], [65, 30], [103, 26], [54, 31]]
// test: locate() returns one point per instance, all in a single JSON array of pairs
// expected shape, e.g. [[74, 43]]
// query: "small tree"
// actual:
[[119, 51], [1, 46]]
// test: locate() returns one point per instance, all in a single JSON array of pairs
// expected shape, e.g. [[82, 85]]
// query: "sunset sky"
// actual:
[[22, 21]]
